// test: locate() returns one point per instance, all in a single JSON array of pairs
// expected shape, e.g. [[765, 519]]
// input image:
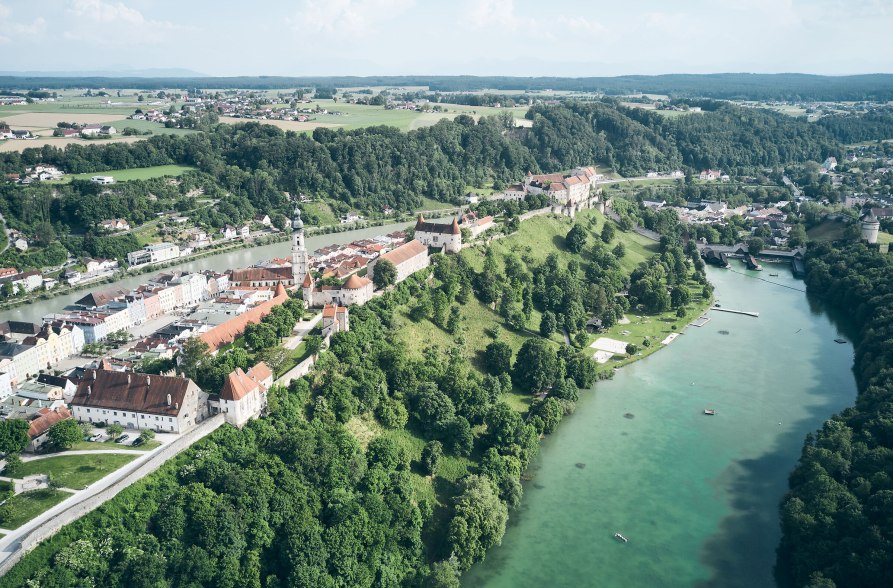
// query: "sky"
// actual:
[[448, 37]]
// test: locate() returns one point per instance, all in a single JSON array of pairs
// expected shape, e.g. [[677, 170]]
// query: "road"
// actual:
[[21, 540]]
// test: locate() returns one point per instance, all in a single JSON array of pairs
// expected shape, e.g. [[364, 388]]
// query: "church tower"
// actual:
[[299, 260]]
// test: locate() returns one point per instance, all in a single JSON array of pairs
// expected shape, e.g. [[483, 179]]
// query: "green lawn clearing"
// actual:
[[136, 173], [24, 507], [76, 471]]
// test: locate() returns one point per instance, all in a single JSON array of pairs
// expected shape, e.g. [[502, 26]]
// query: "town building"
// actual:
[[102, 180], [165, 404], [154, 253], [355, 290], [244, 394], [335, 319], [407, 259], [447, 237], [228, 331], [39, 427]]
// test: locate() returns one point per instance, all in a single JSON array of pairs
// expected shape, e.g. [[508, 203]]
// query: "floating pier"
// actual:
[[745, 312], [700, 321]]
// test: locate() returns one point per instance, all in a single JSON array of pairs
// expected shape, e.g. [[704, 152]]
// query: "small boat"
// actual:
[[709, 411], [620, 537], [841, 341], [773, 275]]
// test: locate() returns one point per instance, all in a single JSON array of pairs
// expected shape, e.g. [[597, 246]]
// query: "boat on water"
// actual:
[[841, 341], [773, 275], [709, 411], [621, 538]]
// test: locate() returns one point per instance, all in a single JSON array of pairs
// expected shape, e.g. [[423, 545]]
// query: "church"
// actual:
[[268, 277]]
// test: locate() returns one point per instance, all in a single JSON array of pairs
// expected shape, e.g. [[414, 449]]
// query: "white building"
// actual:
[[154, 253], [102, 180], [139, 401], [447, 237], [355, 290], [244, 394], [408, 259]]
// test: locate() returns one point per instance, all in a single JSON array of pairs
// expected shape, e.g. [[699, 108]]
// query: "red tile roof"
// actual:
[[227, 332], [428, 227], [47, 419], [355, 282], [130, 391], [404, 252], [239, 384]]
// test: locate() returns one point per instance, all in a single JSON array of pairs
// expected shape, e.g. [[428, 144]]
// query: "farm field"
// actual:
[[60, 142]]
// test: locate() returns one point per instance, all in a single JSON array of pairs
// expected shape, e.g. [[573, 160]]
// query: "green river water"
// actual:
[[697, 496]]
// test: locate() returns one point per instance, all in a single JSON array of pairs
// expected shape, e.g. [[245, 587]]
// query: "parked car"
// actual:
[[138, 441], [97, 437], [123, 438]]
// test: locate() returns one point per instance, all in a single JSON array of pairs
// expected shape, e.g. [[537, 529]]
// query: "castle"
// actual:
[[447, 237]]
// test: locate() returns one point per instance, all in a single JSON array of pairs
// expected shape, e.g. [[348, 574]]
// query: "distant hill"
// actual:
[[726, 86]]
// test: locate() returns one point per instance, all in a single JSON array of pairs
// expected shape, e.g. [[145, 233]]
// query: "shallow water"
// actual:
[[697, 496]]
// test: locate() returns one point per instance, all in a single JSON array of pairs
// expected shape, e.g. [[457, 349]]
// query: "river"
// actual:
[[697, 496], [223, 261]]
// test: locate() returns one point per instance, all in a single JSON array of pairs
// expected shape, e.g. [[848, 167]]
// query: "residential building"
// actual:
[[115, 224], [154, 253], [244, 394], [139, 401], [102, 180], [38, 431]]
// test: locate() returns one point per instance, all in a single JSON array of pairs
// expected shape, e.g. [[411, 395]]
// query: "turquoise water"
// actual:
[[697, 496]]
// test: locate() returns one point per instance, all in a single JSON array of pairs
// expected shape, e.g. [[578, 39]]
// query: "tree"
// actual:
[[608, 232], [64, 434], [536, 366], [13, 465], [115, 430], [631, 348], [619, 250], [431, 454], [147, 435], [479, 520], [576, 239], [312, 344], [454, 323], [192, 352], [498, 358], [548, 324], [385, 274], [755, 245], [13, 435]]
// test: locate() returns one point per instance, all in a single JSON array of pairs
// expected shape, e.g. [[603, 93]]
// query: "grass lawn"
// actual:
[[76, 471], [24, 507], [298, 355], [148, 125], [321, 210], [136, 173]]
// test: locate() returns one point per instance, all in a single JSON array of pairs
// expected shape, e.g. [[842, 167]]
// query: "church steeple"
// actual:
[[300, 261]]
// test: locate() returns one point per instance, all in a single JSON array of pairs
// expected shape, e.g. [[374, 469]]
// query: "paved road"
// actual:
[[301, 330], [17, 542]]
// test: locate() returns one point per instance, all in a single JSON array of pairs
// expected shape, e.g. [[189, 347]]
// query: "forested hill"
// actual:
[[837, 519], [787, 86]]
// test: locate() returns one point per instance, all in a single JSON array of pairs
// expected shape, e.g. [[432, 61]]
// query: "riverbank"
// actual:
[[696, 495]]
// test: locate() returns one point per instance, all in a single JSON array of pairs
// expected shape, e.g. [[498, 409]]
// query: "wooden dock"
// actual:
[[700, 321], [744, 312]]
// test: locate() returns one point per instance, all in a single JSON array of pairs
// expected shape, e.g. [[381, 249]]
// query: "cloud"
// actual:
[[346, 16], [105, 12], [582, 24], [125, 25], [4, 11], [37, 27], [480, 14]]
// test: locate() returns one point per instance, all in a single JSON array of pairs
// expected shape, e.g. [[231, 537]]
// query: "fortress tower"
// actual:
[[300, 261]]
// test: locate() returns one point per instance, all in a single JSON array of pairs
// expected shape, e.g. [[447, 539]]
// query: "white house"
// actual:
[[229, 232], [102, 180], [115, 224], [244, 394], [154, 253]]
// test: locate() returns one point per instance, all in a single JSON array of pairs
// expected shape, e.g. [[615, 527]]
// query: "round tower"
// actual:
[[870, 227]]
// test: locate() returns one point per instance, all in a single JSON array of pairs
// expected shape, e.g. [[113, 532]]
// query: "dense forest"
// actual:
[[876, 87], [837, 519]]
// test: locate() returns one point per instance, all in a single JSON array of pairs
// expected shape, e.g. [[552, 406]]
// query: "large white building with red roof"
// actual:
[[445, 236]]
